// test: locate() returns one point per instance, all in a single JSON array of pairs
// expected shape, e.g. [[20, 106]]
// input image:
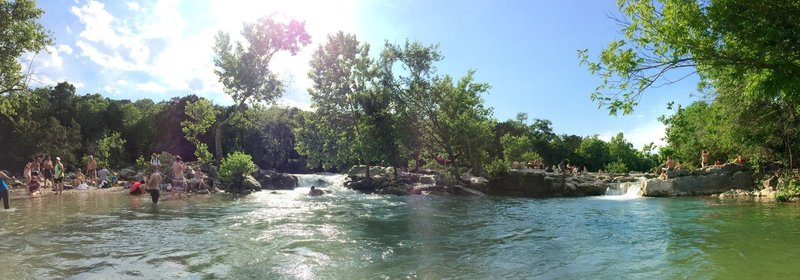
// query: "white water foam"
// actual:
[[625, 191]]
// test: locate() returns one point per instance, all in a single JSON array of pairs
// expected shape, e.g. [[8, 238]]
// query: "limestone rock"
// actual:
[[251, 183]]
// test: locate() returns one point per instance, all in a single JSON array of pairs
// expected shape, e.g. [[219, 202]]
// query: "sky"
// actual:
[[526, 50]]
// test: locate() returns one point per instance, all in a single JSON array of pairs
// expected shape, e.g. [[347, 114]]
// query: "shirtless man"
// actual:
[[178, 184], [91, 170], [199, 179], [668, 166], [154, 185], [48, 171], [704, 159]]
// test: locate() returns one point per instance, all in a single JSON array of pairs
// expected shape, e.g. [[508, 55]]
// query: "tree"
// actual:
[[20, 33], [346, 103], [244, 70], [109, 149], [726, 43], [593, 153], [200, 115]]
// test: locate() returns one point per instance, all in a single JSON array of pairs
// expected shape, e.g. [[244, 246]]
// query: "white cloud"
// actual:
[[177, 55], [151, 87], [134, 6], [651, 132], [79, 85], [65, 49]]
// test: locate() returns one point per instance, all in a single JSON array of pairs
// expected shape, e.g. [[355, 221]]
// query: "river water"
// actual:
[[345, 235]]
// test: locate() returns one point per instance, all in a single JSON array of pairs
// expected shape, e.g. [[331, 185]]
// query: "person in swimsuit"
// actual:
[[4, 188], [48, 171], [26, 172], [79, 178], [59, 175], [704, 159], [91, 169], [178, 185], [153, 185]]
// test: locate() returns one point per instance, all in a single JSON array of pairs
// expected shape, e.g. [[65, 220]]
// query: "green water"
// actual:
[[353, 236]]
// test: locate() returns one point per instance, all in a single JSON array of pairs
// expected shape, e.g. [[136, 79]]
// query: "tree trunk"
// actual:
[[218, 140]]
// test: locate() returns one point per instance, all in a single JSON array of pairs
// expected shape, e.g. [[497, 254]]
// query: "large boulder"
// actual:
[[276, 181], [360, 171], [717, 180], [536, 184], [251, 183], [127, 174]]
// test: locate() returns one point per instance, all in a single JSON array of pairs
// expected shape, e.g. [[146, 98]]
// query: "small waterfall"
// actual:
[[321, 180], [626, 190]]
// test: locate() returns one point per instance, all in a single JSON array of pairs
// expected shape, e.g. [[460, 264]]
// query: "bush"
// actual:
[[496, 168], [788, 190], [142, 164], [202, 153], [616, 167], [234, 167]]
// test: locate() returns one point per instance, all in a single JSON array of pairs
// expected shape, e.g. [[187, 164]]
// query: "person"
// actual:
[[79, 178], [562, 167], [154, 185], [137, 188], [59, 175], [718, 162], [740, 159], [26, 172], [315, 192], [91, 170], [199, 178], [4, 179], [704, 159], [34, 184], [36, 166], [668, 166], [47, 167], [103, 177], [155, 163], [178, 186]]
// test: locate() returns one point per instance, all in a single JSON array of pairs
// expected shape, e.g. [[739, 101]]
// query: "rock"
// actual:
[[466, 190], [771, 183], [363, 185], [658, 187], [393, 189], [213, 171], [427, 179], [127, 174], [251, 183], [535, 184], [735, 194], [276, 181]]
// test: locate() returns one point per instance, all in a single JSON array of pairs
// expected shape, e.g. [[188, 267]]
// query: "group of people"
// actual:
[[178, 184], [42, 171], [671, 164]]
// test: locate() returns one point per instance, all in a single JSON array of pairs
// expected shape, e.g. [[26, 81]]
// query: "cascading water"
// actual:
[[626, 190], [330, 181]]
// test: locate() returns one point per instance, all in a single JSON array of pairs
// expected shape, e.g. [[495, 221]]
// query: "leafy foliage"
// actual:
[[109, 149], [21, 33], [234, 167], [244, 68], [200, 115]]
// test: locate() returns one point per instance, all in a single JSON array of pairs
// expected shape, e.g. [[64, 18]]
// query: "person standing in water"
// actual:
[[59, 175], [4, 179], [178, 185], [154, 185], [47, 168]]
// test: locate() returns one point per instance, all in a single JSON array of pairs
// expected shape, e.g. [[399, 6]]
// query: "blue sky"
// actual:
[[527, 51]]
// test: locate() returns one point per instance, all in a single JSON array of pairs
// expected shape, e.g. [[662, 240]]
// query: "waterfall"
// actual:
[[330, 181], [626, 190]]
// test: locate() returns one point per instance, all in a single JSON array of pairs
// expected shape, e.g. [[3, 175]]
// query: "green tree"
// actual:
[[109, 150], [200, 115], [21, 32], [724, 42], [244, 70], [514, 147], [593, 153]]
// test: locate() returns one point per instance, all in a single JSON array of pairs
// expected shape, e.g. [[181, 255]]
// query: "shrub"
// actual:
[[788, 190], [202, 153], [496, 168], [234, 167], [616, 167], [142, 164]]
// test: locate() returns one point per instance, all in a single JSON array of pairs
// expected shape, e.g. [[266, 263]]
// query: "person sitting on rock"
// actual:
[[562, 167], [740, 160], [315, 192], [718, 162], [34, 184]]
